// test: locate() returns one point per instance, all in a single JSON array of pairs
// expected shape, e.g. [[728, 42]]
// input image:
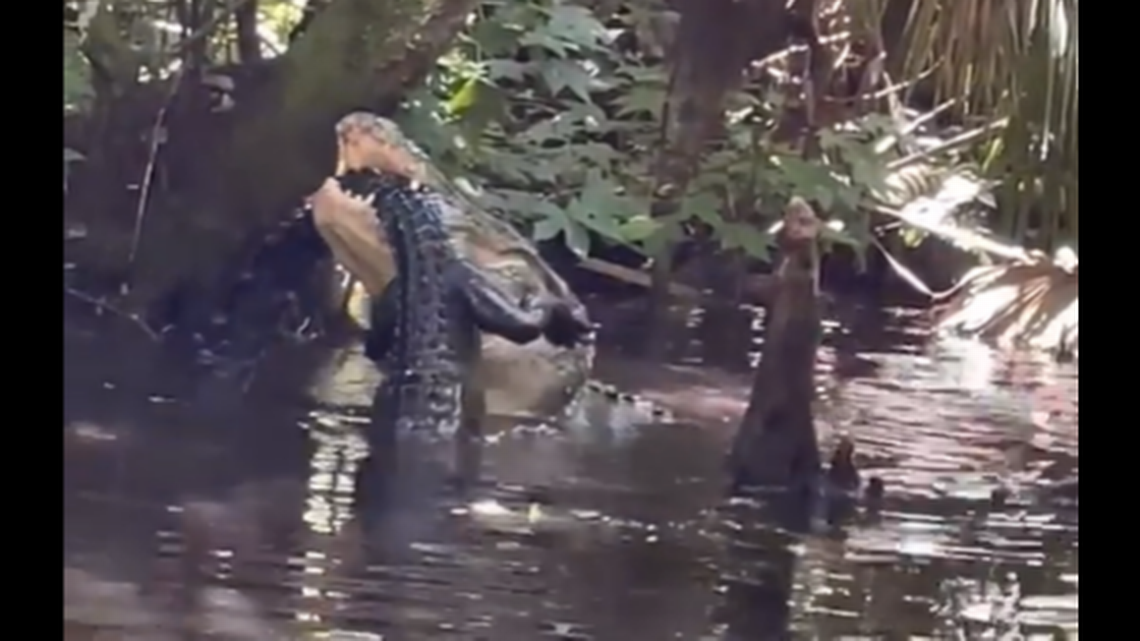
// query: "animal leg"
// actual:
[[495, 311], [469, 439]]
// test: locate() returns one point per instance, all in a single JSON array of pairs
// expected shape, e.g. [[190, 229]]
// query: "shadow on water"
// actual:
[[238, 524]]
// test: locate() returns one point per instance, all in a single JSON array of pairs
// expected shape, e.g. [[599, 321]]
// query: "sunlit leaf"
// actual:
[[462, 100]]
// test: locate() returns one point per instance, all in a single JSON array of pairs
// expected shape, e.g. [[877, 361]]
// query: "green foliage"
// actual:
[[1010, 69], [554, 113], [558, 125], [76, 74], [76, 91]]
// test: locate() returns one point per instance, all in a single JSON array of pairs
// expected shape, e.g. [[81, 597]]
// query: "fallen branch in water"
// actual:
[[102, 305]]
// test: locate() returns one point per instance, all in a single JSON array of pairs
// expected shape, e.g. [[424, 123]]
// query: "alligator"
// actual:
[[270, 285], [535, 380], [532, 381], [538, 379], [425, 326]]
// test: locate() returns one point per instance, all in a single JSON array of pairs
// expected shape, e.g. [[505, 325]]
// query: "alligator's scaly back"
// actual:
[[428, 322]]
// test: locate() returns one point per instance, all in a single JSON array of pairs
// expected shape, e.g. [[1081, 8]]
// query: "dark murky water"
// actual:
[[629, 535]]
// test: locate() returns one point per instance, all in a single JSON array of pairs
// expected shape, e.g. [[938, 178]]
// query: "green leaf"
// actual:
[[567, 74], [558, 128], [703, 206], [462, 100], [545, 40], [831, 139], [804, 177], [825, 198], [597, 154], [501, 69], [744, 236], [599, 207], [577, 238], [547, 228], [649, 99], [831, 233], [867, 172], [576, 25], [602, 223], [494, 37], [545, 208], [602, 195], [639, 228], [597, 191], [76, 73], [849, 198]]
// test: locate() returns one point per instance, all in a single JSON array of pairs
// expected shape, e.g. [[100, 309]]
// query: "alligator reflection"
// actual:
[[328, 510]]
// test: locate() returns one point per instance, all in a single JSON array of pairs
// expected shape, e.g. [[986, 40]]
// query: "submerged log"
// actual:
[[776, 444]]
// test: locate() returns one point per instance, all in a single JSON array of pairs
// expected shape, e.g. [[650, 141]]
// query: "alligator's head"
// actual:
[[365, 140], [535, 378]]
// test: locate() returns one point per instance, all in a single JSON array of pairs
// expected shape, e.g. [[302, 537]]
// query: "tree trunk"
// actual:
[[278, 141], [776, 444], [714, 43], [356, 54]]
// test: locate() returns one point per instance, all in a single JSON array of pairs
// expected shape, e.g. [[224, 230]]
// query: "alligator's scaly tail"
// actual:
[[260, 290]]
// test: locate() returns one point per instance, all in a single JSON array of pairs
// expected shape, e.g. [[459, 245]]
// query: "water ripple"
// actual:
[[241, 526]]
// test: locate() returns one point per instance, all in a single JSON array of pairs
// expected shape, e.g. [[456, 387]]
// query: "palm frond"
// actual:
[[1026, 298], [1033, 304], [1013, 62]]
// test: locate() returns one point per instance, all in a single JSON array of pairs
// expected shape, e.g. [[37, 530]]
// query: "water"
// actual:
[[605, 526]]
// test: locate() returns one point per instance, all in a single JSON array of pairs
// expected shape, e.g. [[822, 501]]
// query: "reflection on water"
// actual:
[[239, 524]]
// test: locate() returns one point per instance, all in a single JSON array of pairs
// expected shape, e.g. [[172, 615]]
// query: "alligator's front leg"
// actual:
[[383, 319], [495, 310], [469, 439]]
